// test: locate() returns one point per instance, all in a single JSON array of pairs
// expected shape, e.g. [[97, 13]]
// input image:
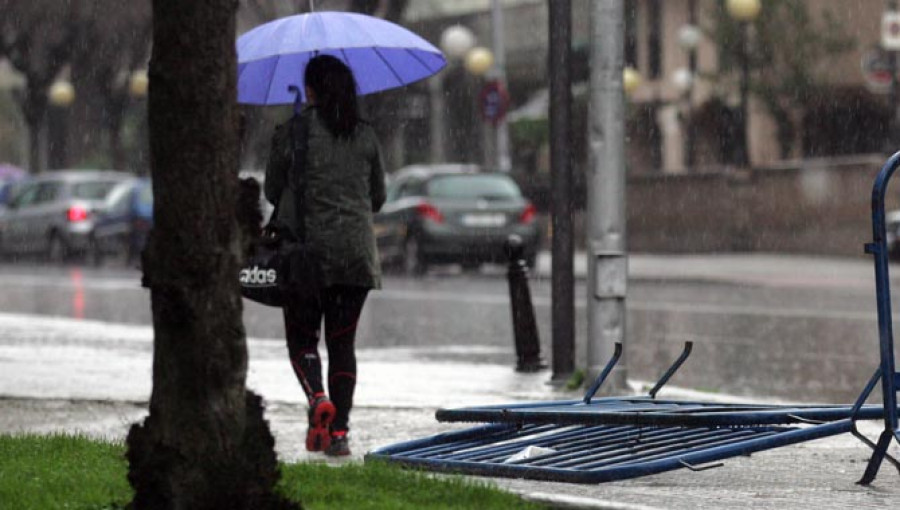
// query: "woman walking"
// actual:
[[344, 186]]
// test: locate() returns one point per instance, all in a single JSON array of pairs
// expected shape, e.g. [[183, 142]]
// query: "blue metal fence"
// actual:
[[612, 438]]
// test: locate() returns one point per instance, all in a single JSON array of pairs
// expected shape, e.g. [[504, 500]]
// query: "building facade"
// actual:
[[817, 79]]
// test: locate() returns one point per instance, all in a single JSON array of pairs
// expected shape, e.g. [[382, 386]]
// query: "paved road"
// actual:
[[797, 328]]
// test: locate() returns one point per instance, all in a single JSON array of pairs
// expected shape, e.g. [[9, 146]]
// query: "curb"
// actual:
[[579, 503]]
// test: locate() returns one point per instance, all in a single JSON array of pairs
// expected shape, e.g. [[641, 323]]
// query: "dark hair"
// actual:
[[335, 89]]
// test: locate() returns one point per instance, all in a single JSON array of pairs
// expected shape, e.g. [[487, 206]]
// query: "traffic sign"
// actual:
[[876, 69], [890, 31], [493, 102]]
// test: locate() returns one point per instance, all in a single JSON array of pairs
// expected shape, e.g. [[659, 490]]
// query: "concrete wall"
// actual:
[[812, 207]]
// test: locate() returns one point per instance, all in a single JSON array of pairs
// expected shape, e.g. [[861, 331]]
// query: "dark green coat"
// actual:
[[345, 186]]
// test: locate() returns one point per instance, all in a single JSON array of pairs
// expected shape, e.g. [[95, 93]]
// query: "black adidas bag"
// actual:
[[281, 265]]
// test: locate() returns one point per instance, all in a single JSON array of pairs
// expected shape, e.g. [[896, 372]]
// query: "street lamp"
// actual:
[[744, 12], [631, 80], [138, 87], [138, 83], [456, 41], [479, 61], [683, 80], [61, 95], [689, 37]]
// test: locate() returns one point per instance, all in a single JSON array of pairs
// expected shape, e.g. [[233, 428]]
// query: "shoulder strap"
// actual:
[[297, 176]]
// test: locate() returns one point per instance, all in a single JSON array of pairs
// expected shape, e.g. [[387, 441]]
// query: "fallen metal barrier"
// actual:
[[615, 438]]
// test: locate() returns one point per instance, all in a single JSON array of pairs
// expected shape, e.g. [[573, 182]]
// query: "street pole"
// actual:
[[690, 130], [607, 258], [436, 119], [894, 128], [503, 162], [742, 159], [563, 244]]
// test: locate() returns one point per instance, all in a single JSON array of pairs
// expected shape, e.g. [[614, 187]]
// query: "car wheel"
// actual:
[[413, 261], [56, 249]]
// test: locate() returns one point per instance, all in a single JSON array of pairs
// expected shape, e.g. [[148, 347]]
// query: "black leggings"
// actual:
[[341, 307]]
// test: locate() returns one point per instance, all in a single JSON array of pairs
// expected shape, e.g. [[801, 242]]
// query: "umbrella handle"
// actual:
[[298, 98]]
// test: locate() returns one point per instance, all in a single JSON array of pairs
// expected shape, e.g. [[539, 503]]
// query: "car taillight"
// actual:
[[77, 213], [528, 214], [141, 224], [430, 212]]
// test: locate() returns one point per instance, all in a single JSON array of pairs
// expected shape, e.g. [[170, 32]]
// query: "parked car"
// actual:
[[123, 222], [452, 213], [53, 213]]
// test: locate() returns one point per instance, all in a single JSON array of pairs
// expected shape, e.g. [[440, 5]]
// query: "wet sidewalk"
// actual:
[[745, 268], [94, 377]]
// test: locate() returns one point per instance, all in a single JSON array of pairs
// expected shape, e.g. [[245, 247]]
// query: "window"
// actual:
[[92, 190], [654, 39], [488, 187], [121, 204], [631, 38], [47, 192], [411, 188], [25, 197], [145, 196]]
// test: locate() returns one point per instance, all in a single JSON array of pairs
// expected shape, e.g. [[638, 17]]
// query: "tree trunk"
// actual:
[[34, 109], [205, 444]]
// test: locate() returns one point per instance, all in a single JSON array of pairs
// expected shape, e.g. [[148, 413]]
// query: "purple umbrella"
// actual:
[[272, 57], [11, 172]]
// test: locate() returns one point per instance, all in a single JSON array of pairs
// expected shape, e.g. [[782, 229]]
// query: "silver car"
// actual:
[[52, 214]]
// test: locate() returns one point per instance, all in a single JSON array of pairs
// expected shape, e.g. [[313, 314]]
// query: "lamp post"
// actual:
[[744, 12], [138, 84], [456, 42], [889, 44], [138, 87], [61, 95], [689, 37], [479, 61], [501, 130], [631, 80]]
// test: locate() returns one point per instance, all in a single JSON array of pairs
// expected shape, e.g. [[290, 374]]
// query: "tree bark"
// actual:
[[205, 444]]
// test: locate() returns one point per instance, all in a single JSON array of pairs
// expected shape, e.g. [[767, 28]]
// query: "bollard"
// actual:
[[528, 346]]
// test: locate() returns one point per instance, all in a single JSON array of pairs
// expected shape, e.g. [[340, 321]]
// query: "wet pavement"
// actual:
[[65, 373]]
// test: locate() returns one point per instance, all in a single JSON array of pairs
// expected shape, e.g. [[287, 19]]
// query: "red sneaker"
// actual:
[[339, 446], [321, 413]]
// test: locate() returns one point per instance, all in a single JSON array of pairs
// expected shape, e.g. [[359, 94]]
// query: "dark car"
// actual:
[[441, 214], [123, 223]]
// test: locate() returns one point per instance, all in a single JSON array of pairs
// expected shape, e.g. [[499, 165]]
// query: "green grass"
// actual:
[[382, 486], [71, 472], [576, 380], [48, 472]]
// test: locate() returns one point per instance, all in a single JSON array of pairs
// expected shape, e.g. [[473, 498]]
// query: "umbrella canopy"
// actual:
[[11, 172], [382, 55]]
